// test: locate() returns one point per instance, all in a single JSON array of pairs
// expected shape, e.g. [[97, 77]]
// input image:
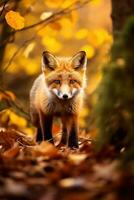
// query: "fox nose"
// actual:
[[65, 96]]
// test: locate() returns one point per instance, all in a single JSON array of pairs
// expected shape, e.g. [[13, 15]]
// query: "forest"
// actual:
[[90, 155]]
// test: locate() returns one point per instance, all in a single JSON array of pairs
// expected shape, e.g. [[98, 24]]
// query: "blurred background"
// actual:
[[63, 27]]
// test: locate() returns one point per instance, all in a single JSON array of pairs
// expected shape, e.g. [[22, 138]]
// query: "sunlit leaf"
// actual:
[[81, 34], [94, 82], [29, 131], [30, 66], [98, 37], [51, 44], [77, 158], [83, 114], [56, 25], [14, 119], [47, 31], [15, 20], [45, 15], [67, 30], [95, 2], [74, 17], [54, 3], [29, 49], [27, 3], [67, 3]]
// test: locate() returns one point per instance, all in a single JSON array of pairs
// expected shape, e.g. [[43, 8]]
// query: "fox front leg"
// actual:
[[36, 122], [45, 122], [73, 132], [64, 132]]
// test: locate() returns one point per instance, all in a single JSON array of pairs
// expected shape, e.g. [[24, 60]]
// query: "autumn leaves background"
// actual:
[[61, 27]]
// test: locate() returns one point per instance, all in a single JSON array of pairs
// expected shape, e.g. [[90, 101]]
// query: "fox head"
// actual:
[[64, 77]]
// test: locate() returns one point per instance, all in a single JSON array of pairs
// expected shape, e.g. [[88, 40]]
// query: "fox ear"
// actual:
[[49, 62], [79, 60]]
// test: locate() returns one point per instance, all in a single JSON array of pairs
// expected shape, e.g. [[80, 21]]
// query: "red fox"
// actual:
[[58, 92]]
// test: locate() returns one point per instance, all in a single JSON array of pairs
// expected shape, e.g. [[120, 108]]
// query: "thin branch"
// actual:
[[3, 8], [57, 15], [14, 105], [45, 22], [16, 53]]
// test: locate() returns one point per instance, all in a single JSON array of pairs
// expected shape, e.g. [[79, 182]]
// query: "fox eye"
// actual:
[[72, 81], [57, 81]]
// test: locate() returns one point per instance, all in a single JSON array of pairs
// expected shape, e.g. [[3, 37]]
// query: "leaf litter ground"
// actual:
[[34, 171]]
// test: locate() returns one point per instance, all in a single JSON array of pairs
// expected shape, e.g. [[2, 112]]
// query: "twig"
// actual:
[[16, 53], [54, 17], [33, 146], [4, 5], [50, 19], [14, 105], [57, 15]]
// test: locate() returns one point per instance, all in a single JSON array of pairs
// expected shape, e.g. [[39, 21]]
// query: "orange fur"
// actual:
[[60, 77]]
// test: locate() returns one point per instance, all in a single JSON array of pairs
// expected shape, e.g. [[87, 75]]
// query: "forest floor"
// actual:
[[31, 171]]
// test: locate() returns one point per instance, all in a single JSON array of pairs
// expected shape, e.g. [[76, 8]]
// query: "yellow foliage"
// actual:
[[84, 113], [89, 50], [28, 131], [52, 44], [15, 20], [74, 17], [14, 118], [27, 3], [13, 68], [96, 2], [53, 3], [56, 26], [81, 34], [67, 3], [10, 53], [94, 82], [30, 66], [29, 49], [47, 31], [98, 37], [67, 30]]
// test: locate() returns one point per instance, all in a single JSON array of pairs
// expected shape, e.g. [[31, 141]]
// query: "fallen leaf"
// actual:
[[12, 152], [77, 158], [72, 182], [45, 149]]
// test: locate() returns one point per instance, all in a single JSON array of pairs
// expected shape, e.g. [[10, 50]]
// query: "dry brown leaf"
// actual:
[[77, 158], [9, 136], [45, 149], [12, 152], [72, 182]]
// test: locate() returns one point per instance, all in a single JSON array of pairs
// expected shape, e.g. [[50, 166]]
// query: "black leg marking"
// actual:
[[46, 126], [73, 137], [73, 132], [39, 136], [64, 136]]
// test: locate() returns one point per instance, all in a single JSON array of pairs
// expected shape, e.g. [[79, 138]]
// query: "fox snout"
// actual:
[[65, 92]]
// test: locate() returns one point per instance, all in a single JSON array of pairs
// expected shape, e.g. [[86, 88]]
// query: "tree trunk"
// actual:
[[121, 10]]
